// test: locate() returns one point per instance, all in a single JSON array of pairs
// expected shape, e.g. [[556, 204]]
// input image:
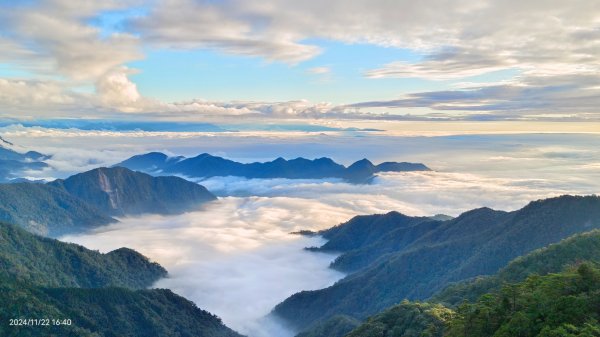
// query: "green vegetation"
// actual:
[[416, 260], [105, 312], [47, 262], [366, 238], [547, 293], [563, 304], [90, 199], [47, 210], [119, 191], [45, 278], [406, 320], [551, 259], [336, 326]]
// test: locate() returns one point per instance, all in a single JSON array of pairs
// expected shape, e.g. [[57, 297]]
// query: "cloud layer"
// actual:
[[551, 46], [235, 258]]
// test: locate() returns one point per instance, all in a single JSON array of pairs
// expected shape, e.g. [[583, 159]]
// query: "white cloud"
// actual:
[[188, 24], [319, 70], [57, 31], [554, 45], [236, 257]]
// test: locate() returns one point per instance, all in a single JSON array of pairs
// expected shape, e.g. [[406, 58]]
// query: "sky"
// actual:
[[226, 61]]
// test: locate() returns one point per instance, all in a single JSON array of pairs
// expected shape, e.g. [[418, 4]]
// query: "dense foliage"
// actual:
[[42, 261], [120, 191], [551, 259], [365, 238], [487, 304], [105, 312], [476, 243], [42, 278], [47, 210], [564, 304], [406, 320], [336, 326]]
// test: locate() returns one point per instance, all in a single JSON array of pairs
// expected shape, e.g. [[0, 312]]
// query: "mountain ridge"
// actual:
[[478, 242], [205, 166]]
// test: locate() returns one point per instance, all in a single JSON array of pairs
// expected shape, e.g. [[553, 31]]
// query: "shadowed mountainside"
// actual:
[[206, 165]]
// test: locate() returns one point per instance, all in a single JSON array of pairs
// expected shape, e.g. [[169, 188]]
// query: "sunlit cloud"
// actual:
[[551, 46]]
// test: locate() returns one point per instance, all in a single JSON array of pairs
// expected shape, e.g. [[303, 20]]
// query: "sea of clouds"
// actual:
[[236, 258]]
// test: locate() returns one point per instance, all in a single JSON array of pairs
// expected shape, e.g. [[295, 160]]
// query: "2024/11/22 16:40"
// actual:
[[38, 321]]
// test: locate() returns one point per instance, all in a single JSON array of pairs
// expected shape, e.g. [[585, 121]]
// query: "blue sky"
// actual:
[[220, 60]]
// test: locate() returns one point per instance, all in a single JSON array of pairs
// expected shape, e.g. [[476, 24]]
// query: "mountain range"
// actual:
[[13, 164], [91, 199], [444, 314], [392, 257], [206, 166]]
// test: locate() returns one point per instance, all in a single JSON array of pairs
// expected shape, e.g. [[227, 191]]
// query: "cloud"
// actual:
[[577, 96], [57, 31], [319, 70], [187, 24], [235, 258], [552, 45]]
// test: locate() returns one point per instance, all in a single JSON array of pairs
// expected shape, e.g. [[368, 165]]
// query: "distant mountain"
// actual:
[[119, 191], [48, 210], [150, 162], [205, 166], [13, 164], [43, 278], [418, 258]]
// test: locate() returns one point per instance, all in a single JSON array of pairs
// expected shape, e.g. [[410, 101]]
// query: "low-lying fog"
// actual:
[[234, 258]]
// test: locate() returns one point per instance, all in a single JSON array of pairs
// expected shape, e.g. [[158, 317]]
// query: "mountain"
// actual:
[[552, 259], [48, 210], [406, 319], [105, 312], [364, 239], [397, 319], [96, 294], [562, 304], [149, 162], [336, 326], [437, 253], [91, 199], [13, 164], [205, 166], [26, 257], [119, 191]]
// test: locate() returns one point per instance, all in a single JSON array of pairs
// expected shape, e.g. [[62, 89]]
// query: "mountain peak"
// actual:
[[206, 165]]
